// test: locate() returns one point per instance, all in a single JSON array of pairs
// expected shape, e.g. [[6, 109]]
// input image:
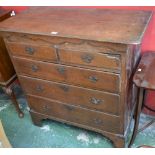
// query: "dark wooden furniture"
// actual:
[[144, 79], [76, 65], [7, 72]]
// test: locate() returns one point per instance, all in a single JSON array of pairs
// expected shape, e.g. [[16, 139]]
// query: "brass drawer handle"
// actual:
[[93, 78], [87, 58], [39, 88], [98, 121], [34, 68], [45, 108], [29, 50], [65, 88], [96, 101], [61, 69], [69, 108]]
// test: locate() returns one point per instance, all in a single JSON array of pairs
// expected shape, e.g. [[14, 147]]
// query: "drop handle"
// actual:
[[93, 78], [39, 88], [34, 68], [46, 108], [87, 58], [96, 101], [29, 50], [61, 70], [64, 88], [98, 121]]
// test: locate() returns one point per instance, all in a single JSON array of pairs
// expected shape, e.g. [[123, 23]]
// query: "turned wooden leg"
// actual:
[[36, 119], [145, 93], [137, 116], [10, 93], [137, 99]]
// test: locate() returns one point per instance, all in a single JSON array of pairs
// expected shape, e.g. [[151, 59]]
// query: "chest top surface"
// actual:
[[118, 26]]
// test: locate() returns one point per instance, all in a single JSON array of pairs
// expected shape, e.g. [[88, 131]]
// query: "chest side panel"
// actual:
[[132, 59]]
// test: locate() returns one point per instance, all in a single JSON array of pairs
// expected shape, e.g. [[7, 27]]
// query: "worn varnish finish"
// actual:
[[87, 98], [90, 24], [101, 60], [80, 115], [33, 51], [72, 75], [78, 70], [7, 72]]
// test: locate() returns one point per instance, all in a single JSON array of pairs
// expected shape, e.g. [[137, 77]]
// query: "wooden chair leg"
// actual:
[[137, 116], [10, 93], [145, 93]]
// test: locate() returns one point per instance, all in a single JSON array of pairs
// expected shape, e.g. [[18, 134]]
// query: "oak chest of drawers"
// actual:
[[76, 65]]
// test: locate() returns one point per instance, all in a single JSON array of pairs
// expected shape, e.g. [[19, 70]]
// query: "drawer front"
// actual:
[[73, 95], [106, 61], [45, 53], [75, 114], [72, 75]]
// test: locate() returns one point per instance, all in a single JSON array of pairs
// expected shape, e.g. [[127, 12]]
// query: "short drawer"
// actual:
[[45, 53], [74, 114], [92, 59], [67, 74], [87, 98]]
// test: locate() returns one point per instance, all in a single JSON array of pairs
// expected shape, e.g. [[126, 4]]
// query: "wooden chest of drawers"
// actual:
[[76, 65]]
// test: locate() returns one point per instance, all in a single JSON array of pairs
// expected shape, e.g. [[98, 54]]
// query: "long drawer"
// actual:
[[75, 114], [40, 52], [71, 75], [73, 95]]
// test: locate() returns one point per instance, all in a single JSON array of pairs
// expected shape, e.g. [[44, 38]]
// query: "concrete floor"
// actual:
[[23, 134]]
